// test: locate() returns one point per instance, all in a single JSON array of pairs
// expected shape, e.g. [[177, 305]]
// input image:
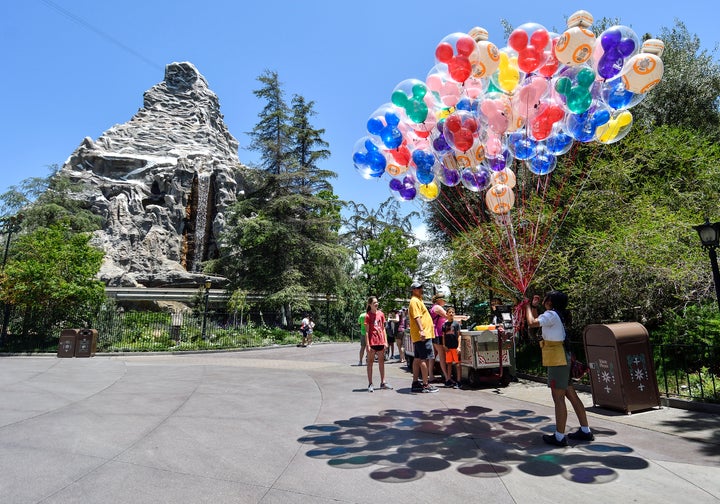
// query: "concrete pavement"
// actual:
[[296, 425]]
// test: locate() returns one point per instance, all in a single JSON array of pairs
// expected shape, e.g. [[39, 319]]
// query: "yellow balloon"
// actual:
[[508, 72], [615, 129], [429, 192]]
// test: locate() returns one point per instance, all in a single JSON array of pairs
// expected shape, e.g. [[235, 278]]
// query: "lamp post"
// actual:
[[8, 226], [208, 284], [710, 239]]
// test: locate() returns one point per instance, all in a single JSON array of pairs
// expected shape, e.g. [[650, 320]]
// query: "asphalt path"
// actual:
[[297, 425]]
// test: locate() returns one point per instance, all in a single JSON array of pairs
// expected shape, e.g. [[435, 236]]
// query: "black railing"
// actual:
[[688, 371], [683, 371], [162, 331]]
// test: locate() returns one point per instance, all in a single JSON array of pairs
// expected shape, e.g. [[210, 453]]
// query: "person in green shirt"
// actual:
[[363, 339]]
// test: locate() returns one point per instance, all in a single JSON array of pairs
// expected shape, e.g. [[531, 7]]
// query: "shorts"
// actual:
[[377, 348], [363, 341], [390, 340], [559, 376], [438, 340], [423, 349], [451, 355]]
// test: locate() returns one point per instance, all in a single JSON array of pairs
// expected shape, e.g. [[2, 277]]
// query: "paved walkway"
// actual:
[[296, 425]]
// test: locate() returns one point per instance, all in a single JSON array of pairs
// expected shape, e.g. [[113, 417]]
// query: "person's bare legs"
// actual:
[[370, 360], [440, 353], [558, 396], [381, 365], [577, 405], [362, 352]]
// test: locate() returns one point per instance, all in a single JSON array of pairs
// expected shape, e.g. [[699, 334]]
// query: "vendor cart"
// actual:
[[485, 356]]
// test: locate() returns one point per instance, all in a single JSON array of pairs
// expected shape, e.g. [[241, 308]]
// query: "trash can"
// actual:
[[67, 343], [621, 368], [86, 343]]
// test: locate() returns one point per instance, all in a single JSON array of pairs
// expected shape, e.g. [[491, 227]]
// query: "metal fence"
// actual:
[[683, 371], [688, 371]]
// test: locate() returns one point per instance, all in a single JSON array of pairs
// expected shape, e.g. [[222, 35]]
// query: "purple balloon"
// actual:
[[452, 177], [408, 193], [395, 184]]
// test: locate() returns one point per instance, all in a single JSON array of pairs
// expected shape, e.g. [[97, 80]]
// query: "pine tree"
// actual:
[[281, 239], [271, 135]]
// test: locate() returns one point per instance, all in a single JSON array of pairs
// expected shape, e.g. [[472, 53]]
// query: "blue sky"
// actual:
[[74, 68]]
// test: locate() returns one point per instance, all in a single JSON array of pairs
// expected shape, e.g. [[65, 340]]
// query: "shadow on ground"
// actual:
[[474, 441]]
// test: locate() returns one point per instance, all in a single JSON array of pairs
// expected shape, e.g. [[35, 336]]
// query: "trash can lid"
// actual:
[[614, 334]]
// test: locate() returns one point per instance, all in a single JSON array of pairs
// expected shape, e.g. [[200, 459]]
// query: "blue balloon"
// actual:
[[582, 126], [523, 146], [615, 94], [389, 133], [368, 159], [423, 160], [558, 143], [424, 176], [542, 163]]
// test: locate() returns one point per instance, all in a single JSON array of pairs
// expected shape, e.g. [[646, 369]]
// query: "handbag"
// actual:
[[577, 368], [553, 353]]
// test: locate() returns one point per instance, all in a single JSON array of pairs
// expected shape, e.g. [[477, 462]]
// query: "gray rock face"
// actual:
[[162, 182]]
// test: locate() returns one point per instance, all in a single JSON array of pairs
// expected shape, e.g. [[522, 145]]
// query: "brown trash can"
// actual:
[[621, 367], [67, 343], [86, 343]]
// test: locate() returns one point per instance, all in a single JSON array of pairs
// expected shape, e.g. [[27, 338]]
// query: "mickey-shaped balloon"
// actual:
[[384, 123], [424, 161], [582, 127], [552, 64], [541, 125], [368, 159], [477, 179], [409, 95], [455, 50], [447, 176], [616, 128], [558, 142], [521, 145], [447, 90], [526, 101], [398, 160], [574, 85], [461, 130], [543, 162], [530, 41], [507, 76], [498, 112], [613, 47]]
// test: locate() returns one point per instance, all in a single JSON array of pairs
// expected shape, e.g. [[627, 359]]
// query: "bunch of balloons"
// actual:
[[480, 108]]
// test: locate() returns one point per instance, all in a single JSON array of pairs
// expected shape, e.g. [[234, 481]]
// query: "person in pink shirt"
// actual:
[[376, 342]]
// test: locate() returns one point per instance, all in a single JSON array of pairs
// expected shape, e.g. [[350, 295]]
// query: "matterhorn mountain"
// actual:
[[162, 183]]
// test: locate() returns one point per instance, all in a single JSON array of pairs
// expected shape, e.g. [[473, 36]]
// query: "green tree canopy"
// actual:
[[52, 274]]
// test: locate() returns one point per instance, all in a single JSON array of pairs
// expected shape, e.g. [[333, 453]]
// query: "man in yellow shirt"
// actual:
[[421, 333]]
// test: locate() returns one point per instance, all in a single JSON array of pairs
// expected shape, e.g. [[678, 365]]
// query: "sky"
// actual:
[[75, 68]]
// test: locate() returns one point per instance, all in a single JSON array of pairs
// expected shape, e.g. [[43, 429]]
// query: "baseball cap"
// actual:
[[416, 285]]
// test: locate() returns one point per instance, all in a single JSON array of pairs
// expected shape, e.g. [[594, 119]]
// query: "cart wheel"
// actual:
[[505, 378], [474, 377]]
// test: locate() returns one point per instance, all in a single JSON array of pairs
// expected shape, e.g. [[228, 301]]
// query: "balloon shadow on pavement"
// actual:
[[477, 442]]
